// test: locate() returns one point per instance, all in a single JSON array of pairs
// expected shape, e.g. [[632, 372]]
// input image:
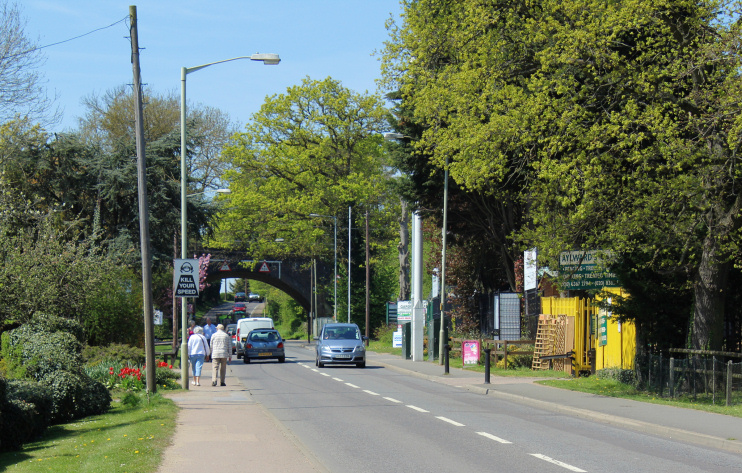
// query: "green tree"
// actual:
[[619, 122], [317, 149]]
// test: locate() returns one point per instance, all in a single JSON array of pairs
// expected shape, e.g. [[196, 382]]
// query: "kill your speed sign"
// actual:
[[186, 277]]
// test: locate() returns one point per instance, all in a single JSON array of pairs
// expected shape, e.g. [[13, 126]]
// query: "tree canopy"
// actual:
[[615, 125], [317, 149]]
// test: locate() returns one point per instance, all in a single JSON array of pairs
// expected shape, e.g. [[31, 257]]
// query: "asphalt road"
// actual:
[[376, 419]]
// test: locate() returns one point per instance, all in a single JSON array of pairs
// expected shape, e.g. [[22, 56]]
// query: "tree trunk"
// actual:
[[710, 285], [403, 249], [710, 295]]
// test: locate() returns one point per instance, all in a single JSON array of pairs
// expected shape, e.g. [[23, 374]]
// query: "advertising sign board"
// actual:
[[470, 351], [585, 270], [404, 311]]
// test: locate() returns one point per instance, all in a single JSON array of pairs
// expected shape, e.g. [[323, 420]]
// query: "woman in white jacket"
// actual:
[[198, 350]]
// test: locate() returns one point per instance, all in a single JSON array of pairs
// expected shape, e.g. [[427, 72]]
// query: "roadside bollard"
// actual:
[[487, 352], [446, 348]]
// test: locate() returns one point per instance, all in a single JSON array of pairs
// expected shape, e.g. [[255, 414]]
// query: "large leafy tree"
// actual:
[[317, 149], [618, 120]]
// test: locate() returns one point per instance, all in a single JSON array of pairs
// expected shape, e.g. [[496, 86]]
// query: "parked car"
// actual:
[[232, 332], [245, 326], [240, 297], [341, 344], [264, 344], [254, 297]]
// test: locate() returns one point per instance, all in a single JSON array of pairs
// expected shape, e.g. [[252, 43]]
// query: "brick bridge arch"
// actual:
[[291, 275]]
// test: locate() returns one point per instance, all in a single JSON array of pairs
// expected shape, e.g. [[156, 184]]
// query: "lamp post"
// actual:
[[267, 59], [335, 249], [443, 334]]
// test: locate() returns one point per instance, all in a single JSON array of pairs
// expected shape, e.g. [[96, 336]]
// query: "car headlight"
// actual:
[[360, 348], [325, 348]]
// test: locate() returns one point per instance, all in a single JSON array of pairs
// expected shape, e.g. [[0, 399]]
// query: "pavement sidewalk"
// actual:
[[211, 431]]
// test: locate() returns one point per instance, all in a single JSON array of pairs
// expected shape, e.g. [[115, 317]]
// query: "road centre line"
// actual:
[[450, 421], [557, 462], [325, 374], [338, 380], [370, 392], [393, 400], [352, 385], [418, 409], [492, 437]]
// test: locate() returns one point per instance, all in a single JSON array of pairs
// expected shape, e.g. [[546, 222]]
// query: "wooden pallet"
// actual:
[[544, 342]]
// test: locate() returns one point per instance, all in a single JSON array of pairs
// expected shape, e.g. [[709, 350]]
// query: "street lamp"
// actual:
[[443, 334], [335, 296], [267, 59]]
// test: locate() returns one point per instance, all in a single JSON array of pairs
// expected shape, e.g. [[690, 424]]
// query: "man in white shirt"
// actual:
[[209, 329]]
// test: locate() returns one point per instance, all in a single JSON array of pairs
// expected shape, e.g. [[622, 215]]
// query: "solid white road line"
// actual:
[[557, 462], [418, 409], [492, 437], [452, 422]]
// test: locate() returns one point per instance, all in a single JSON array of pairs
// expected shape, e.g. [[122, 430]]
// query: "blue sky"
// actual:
[[314, 38]]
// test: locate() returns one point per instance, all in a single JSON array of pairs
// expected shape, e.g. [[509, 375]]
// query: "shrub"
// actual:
[[47, 344], [35, 393], [76, 395], [385, 334], [618, 374], [113, 354], [18, 424]]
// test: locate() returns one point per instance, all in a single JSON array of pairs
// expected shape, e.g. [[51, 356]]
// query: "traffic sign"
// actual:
[[186, 277], [264, 268]]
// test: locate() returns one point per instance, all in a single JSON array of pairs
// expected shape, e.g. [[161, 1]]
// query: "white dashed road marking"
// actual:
[[418, 409], [492, 437], [452, 422], [557, 462], [370, 392], [391, 399], [352, 385]]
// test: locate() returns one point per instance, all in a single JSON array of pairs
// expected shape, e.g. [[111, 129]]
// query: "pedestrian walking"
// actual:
[[191, 326], [221, 351], [209, 329], [198, 349]]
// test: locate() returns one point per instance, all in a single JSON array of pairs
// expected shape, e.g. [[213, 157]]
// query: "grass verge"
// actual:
[[129, 438], [381, 346], [613, 388]]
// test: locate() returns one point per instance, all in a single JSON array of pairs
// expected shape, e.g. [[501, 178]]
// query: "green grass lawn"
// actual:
[[613, 388], [126, 439]]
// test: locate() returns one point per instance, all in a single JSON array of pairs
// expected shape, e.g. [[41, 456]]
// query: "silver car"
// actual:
[[341, 344]]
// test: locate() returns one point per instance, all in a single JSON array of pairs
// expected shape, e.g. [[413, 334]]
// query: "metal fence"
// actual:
[[705, 378]]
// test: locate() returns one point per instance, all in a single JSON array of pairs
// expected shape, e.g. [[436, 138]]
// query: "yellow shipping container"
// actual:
[[614, 343]]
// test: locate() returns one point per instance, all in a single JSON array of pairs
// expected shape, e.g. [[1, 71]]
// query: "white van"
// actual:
[[244, 326]]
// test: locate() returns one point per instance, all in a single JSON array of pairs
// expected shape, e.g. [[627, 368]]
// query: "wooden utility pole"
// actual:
[[149, 328]]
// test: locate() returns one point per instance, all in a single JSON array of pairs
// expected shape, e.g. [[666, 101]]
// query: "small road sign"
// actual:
[[186, 278], [264, 268]]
